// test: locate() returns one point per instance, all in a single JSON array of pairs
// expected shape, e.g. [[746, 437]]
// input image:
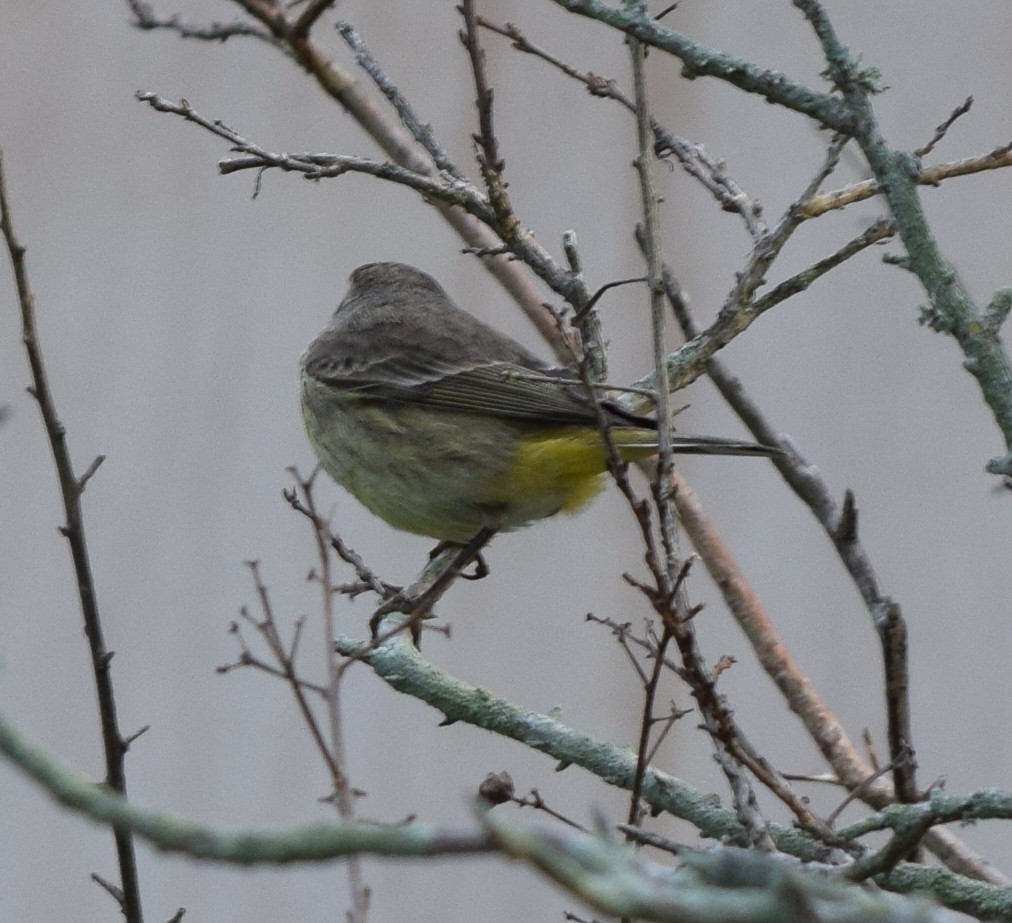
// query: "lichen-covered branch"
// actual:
[[897, 172]]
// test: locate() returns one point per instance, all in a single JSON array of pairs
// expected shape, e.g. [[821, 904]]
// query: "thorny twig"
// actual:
[[71, 488]]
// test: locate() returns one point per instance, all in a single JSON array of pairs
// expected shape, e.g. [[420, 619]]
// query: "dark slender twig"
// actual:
[[589, 306], [247, 658], [71, 487], [625, 635], [145, 18], [366, 576], [666, 723], [338, 762], [892, 631], [942, 130], [333, 755], [489, 158], [536, 801], [286, 668], [646, 724]]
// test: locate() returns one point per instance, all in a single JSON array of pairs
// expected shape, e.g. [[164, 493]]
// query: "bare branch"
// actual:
[[71, 488], [710, 172], [985, 357], [823, 202], [145, 18], [421, 132], [313, 11], [700, 60], [942, 130]]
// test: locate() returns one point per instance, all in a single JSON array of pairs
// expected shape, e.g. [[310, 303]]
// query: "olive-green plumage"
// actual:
[[442, 426]]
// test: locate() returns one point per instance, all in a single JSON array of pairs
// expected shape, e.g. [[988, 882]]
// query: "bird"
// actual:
[[444, 427]]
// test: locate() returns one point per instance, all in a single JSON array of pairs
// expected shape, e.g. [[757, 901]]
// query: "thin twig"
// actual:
[[852, 769], [892, 632], [340, 86], [287, 670], [997, 159], [320, 166], [646, 724], [489, 159], [343, 794], [536, 801], [942, 130], [71, 487], [420, 131], [145, 18]]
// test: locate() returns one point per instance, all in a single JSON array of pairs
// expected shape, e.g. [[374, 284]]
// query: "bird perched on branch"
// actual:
[[444, 427]]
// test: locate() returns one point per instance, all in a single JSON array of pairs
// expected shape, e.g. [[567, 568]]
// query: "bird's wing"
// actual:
[[449, 375], [506, 389], [502, 389]]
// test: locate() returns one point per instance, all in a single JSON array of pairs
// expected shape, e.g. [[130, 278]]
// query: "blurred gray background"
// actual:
[[173, 309]]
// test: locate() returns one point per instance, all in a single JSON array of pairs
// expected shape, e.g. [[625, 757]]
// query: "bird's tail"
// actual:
[[715, 445], [641, 443]]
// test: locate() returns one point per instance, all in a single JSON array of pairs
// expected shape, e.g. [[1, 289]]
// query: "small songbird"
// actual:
[[444, 427]]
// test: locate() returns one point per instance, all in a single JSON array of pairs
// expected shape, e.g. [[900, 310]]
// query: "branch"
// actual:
[[319, 166], [850, 766], [824, 202], [720, 886], [710, 172], [398, 664], [403, 668], [445, 192], [342, 88], [940, 808], [702, 61], [311, 843], [145, 18], [71, 488], [727, 885], [689, 361], [954, 312], [420, 131]]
